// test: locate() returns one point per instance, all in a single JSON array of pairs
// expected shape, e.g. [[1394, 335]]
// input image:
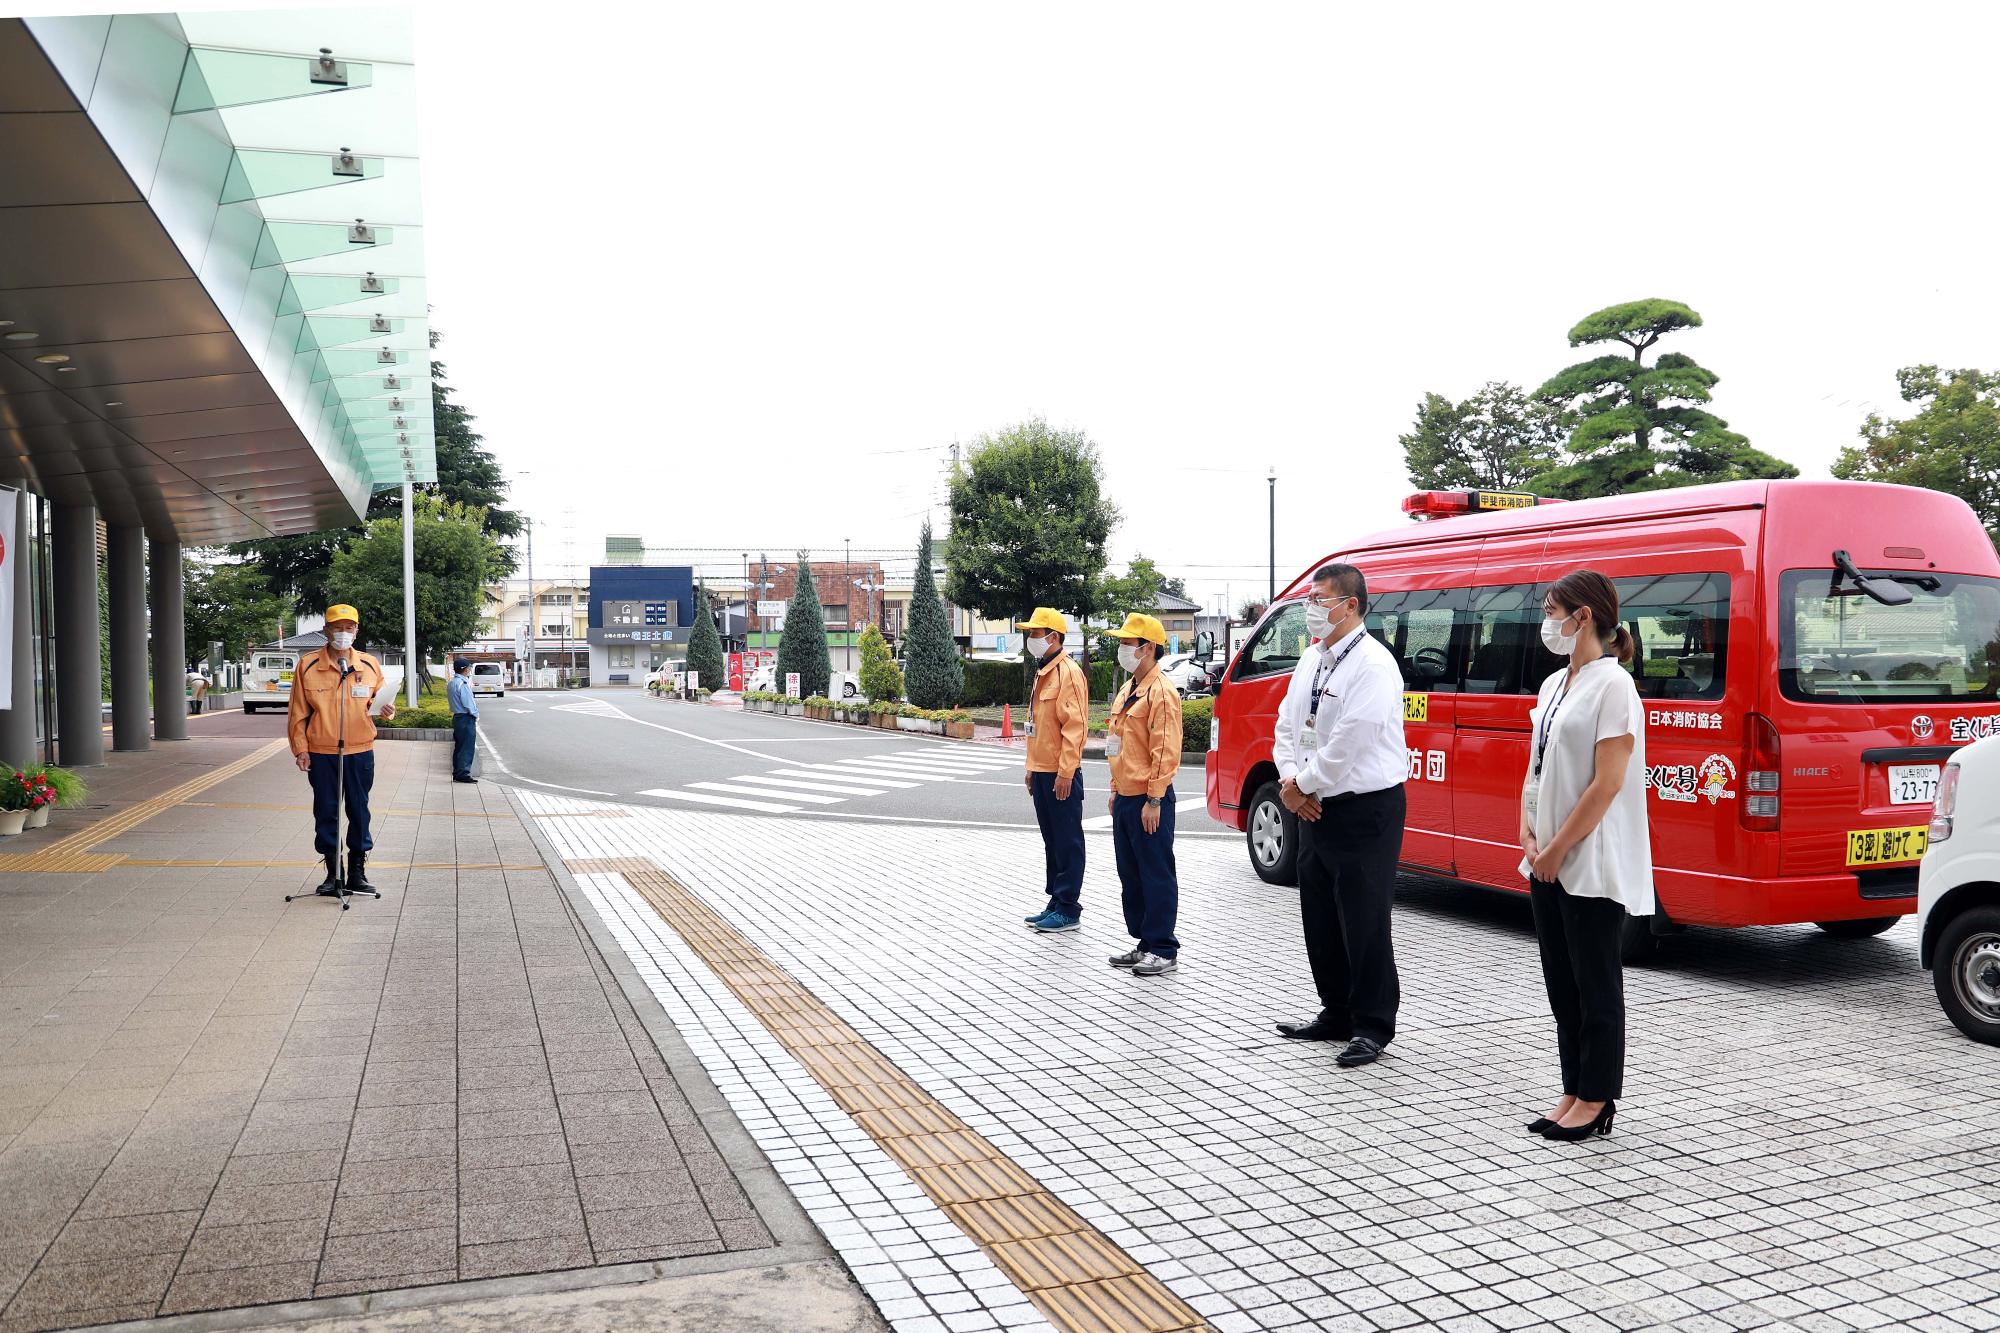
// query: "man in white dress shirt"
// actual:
[[1340, 751]]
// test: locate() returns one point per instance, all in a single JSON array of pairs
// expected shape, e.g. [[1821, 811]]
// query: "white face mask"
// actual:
[[1319, 623], [341, 638], [1555, 639], [1038, 646], [1128, 657]]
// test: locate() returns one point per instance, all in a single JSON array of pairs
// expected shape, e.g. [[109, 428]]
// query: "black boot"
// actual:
[[357, 873], [330, 886]]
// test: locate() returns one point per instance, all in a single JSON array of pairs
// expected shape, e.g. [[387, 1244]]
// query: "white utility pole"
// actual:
[[409, 592]]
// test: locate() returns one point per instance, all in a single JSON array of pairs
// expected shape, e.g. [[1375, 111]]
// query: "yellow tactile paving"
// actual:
[[1074, 1273]]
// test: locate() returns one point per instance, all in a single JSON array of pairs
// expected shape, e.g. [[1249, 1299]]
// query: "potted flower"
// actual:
[[67, 791], [17, 791], [41, 798]]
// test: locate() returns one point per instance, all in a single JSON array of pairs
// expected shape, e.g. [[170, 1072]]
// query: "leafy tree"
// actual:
[[802, 646], [705, 645], [934, 676], [1636, 427], [1137, 589], [231, 604], [1498, 439], [455, 560], [1952, 444], [1028, 523], [1176, 585], [881, 678]]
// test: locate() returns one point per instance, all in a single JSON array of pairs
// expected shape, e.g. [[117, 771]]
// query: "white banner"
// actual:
[[9, 553]]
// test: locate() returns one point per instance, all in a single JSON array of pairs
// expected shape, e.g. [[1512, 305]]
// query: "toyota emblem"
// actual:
[[1920, 726]]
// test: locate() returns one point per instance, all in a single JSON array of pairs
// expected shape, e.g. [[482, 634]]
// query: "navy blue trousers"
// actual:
[[1062, 840], [1150, 890], [324, 771], [464, 739]]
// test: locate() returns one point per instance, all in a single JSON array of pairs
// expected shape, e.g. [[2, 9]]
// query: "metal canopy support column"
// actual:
[[169, 603], [79, 668], [17, 724], [125, 558]]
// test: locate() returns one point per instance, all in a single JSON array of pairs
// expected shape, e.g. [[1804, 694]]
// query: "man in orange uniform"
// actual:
[[1061, 714], [333, 740], [1144, 746]]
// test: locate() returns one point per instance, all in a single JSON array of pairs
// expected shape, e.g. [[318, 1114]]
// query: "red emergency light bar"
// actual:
[[1440, 504]]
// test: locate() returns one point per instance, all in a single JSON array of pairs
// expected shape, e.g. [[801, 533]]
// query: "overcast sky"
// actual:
[[734, 276]]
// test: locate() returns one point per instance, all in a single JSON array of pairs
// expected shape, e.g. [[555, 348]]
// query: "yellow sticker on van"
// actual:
[[285, 676], [1882, 846], [1416, 708]]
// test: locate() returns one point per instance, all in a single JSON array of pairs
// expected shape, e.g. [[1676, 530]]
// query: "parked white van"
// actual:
[[268, 682], [489, 678], [1958, 891]]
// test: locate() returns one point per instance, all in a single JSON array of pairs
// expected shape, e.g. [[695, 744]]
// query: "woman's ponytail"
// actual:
[[1621, 644]]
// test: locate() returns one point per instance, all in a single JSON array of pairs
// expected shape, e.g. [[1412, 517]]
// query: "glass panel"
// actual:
[[1278, 644], [132, 103], [1845, 647], [193, 164], [260, 174], [1680, 631], [75, 46], [1418, 627], [293, 242], [216, 79], [1500, 624], [320, 292]]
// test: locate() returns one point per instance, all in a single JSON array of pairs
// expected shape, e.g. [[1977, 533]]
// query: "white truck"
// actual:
[[1958, 891]]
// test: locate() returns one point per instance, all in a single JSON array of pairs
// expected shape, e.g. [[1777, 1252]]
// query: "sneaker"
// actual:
[[1055, 923], [1152, 965], [1032, 917], [1126, 959]]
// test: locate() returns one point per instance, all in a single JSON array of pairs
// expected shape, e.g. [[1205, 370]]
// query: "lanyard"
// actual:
[[1549, 724], [1326, 670]]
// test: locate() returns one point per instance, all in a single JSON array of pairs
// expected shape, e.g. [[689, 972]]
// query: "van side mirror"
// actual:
[[1204, 644]]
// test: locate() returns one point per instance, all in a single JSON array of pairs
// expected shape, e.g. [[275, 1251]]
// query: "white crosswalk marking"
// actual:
[[764, 807], [589, 707], [895, 770], [758, 791], [903, 761], [807, 784], [969, 765], [1098, 821], [844, 774]]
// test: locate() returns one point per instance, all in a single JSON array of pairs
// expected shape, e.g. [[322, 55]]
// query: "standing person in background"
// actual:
[[1342, 759], [333, 739], [1585, 846], [1060, 714], [1143, 743], [464, 720]]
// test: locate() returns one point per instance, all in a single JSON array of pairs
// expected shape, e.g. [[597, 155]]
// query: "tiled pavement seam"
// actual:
[[267, 1103]]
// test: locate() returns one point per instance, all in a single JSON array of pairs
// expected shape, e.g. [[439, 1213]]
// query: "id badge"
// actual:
[[1113, 743], [1532, 798], [358, 691], [1309, 738]]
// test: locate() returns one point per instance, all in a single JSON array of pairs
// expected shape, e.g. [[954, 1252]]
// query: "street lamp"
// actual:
[[1272, 596]]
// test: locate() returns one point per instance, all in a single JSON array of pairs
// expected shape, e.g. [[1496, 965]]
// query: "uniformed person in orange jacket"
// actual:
[[1143, 743], [1060, 714], [333, 740]]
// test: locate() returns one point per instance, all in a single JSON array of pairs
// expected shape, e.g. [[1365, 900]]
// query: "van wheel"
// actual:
[[250, 709], [1273, 837], [1637, 944], [1966, 972], [1857, 930]]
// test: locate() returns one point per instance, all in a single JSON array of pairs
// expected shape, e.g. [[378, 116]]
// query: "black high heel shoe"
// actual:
[[1541, 1124], [1578, 1133]]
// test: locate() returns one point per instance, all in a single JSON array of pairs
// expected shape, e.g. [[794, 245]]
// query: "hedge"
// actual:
[[428, 715], [994, 683], [1197, 715], [1103, 679]]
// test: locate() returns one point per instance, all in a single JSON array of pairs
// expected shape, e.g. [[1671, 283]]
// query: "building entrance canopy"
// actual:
[[212, 304]]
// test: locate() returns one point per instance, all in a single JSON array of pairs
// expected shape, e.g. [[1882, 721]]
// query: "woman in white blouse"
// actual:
[[1584, 842]]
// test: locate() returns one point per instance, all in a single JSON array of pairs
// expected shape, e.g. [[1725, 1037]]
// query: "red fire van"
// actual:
[[1809, 653]]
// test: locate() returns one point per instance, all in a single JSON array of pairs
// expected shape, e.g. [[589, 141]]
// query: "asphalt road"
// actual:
[[627, 746]]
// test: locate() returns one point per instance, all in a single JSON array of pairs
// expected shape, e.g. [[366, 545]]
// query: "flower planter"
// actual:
[[959, 730], [912, 724], [11, 822], [792, 710], [39, 818], [887, 721]]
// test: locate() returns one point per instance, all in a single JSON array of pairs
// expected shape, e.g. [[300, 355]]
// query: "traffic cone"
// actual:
[[1006, 721]]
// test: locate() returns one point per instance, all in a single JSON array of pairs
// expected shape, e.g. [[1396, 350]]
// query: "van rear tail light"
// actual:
[[1946, 804], [1761, 784]]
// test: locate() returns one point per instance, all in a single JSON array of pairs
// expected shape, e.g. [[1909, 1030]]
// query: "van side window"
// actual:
[[1680, 632], [1278, 643], [1418, 628], [1500, 624]]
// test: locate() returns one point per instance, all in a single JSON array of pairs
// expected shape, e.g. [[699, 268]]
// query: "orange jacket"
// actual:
[[1148, 728], [1062, 715], [325, 710]]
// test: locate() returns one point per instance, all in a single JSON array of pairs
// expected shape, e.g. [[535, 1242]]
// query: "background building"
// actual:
[[638, 620]]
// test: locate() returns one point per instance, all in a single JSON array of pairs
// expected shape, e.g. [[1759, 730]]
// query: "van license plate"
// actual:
[[1882, 846], [1913, 784]]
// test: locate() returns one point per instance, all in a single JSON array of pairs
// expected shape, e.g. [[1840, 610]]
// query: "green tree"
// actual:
[[1952, 444], [802, 646], [1137, 589], [1028, 523], [1635, 427], [933, 674], [881, 678], [229, 603], [455, 560], [705, 645], [1499, 439]]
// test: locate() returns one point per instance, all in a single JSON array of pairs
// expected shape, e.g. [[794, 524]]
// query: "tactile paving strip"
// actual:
[[1078, 1278]]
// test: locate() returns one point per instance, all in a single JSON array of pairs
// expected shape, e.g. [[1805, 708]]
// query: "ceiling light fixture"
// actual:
[[53, 358], [21, 337], [6, 323], [114, 404], [65, 370]]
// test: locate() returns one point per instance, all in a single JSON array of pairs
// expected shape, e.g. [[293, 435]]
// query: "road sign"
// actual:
[[791, 684], [694, 681]]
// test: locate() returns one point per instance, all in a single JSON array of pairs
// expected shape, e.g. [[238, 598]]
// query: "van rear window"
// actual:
[[1838, 645]]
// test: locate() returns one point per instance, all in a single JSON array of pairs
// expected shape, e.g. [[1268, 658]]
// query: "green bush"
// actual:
[[995, 683], [802, 645], [881, 678], [934, 676], [1197, 716], [422, 716], [1103, 678]]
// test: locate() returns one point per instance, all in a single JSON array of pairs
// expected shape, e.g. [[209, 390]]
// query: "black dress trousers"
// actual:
[[1347, 888]]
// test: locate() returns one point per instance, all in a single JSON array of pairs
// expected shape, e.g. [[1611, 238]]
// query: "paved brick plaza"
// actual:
[[1805, 1142], [209, 1098]]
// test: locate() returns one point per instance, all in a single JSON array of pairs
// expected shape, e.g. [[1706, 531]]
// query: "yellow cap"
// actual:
[[1139, 626], [1046, 618], [342, 611]]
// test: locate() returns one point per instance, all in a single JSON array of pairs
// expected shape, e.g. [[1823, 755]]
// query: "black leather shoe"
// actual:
[[1317, 1029], [357, 873], [1360, 1051], [1599, 1125], [330, 886], [467, 778]]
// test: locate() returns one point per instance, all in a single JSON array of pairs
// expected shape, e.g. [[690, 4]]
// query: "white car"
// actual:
[[489, 678], [1184, 673], [1958, 892]]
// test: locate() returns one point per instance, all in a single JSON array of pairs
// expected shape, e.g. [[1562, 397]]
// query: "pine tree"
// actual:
[[705, 657], [802, 648], [934, 678], [881, 678]]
